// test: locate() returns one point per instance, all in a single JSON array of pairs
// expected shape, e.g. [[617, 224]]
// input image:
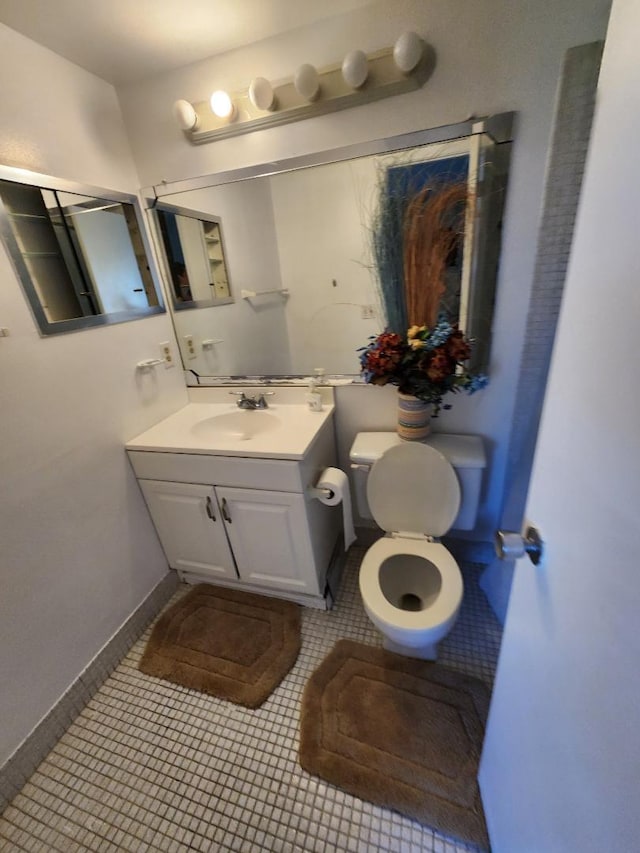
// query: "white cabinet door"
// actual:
[[190, 527], [269, 535]]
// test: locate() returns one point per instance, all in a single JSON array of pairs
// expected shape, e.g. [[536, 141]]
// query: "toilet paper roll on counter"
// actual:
[[333, 489]]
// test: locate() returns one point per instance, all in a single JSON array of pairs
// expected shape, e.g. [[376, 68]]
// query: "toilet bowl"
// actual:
[[410, 584]]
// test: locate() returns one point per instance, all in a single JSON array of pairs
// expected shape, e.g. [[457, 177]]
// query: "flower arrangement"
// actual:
[[428, 363]]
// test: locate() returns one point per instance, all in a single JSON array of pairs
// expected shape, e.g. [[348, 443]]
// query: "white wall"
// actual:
[[492, 55], [78, 550]]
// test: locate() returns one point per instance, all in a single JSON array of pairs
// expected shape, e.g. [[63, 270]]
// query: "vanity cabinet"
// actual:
[[249, 523], [269, 538], [257, 536], [189, 524]]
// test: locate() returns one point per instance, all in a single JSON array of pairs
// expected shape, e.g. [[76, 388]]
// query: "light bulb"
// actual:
[[355, 69], [261, 94], [222, 105], [185, 115], [407, 51], [307, 82]]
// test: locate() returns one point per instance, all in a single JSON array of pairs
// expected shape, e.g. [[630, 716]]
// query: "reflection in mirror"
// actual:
[[81, 259], [194, 257], [304, 241]]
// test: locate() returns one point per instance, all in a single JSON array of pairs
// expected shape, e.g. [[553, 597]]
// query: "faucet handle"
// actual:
[[262, 403]]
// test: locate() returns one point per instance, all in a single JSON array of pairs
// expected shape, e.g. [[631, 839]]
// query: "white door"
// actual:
[[190, 527], [269, 535], [560, 770]]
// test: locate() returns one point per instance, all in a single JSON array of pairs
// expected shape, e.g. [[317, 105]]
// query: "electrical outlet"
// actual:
[[166, 355], [367, 312], [189, 346]]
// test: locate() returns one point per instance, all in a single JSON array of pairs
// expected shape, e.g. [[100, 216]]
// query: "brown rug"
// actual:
[[234, 645], [400, 733]]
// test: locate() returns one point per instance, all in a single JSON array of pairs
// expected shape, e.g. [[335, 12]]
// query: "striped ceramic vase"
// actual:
[[414, 418]]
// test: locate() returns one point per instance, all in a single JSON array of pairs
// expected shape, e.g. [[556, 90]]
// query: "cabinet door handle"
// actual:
[[209, 505], [225, 511]]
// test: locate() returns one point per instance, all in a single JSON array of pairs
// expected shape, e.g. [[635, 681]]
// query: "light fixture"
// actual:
[[261, 94], [361, 78], [407, 52], [185, 115], [355, 69], [222, 105], [307, 82]]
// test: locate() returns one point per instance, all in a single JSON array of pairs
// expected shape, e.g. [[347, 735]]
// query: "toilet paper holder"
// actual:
[[314, 492], [510, 545]]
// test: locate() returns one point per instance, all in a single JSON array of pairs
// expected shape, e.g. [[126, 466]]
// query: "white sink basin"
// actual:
[[243, 425], [280, 432]]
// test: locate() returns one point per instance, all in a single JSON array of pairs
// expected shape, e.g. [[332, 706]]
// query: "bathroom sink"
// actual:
[[221, 428], [242, 425]]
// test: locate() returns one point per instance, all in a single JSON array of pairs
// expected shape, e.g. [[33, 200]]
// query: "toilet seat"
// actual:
[[386, 614], [413, 487]]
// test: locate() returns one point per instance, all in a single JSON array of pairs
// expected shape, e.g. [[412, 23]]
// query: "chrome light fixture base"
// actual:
[[384, 79]]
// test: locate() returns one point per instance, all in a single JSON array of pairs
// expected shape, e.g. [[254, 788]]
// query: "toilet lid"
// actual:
[[413, 488]]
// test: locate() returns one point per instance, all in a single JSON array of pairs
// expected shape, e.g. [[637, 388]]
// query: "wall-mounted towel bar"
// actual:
[[250, 294]]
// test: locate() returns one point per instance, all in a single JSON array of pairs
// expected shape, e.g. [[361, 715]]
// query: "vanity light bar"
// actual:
[[359, 79]]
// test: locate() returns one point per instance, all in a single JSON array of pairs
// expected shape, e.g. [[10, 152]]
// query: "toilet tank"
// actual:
[[464, 452]]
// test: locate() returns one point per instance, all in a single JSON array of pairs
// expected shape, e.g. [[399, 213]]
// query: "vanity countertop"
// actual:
[[222, 429]]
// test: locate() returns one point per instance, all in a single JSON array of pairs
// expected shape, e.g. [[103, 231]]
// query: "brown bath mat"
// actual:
[[234, 645], [398, 732]]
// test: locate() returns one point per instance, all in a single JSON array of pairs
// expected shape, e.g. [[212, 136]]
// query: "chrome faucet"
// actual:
[[256, 402]]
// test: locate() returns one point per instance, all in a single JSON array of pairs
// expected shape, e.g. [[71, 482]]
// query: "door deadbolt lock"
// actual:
[[511, 545]]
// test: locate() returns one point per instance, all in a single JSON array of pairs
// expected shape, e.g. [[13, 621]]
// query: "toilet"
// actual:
[[411, 585]]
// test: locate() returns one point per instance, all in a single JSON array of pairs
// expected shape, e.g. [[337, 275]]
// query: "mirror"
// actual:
[[194, 256], [81, 258], [300, 240]]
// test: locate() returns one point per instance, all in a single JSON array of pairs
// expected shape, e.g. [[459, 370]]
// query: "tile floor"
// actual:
[[150, 766]]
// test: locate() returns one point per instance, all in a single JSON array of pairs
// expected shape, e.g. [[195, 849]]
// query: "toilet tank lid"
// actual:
[[462, 451]]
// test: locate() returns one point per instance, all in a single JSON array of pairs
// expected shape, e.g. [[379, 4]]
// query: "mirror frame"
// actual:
[[45, 327], [498, 127]]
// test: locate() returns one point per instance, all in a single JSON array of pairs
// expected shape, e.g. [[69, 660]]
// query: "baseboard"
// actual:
[[37, 745]]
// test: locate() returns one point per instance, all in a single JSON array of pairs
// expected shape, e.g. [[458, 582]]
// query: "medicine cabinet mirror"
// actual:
[[80, 253], [299, 251], [194, 257]]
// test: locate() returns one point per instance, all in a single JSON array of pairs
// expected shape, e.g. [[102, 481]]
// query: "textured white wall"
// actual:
[[492, 55], [78, 550]]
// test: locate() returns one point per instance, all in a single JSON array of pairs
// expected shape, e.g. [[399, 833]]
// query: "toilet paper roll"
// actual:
[[337, 483]]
